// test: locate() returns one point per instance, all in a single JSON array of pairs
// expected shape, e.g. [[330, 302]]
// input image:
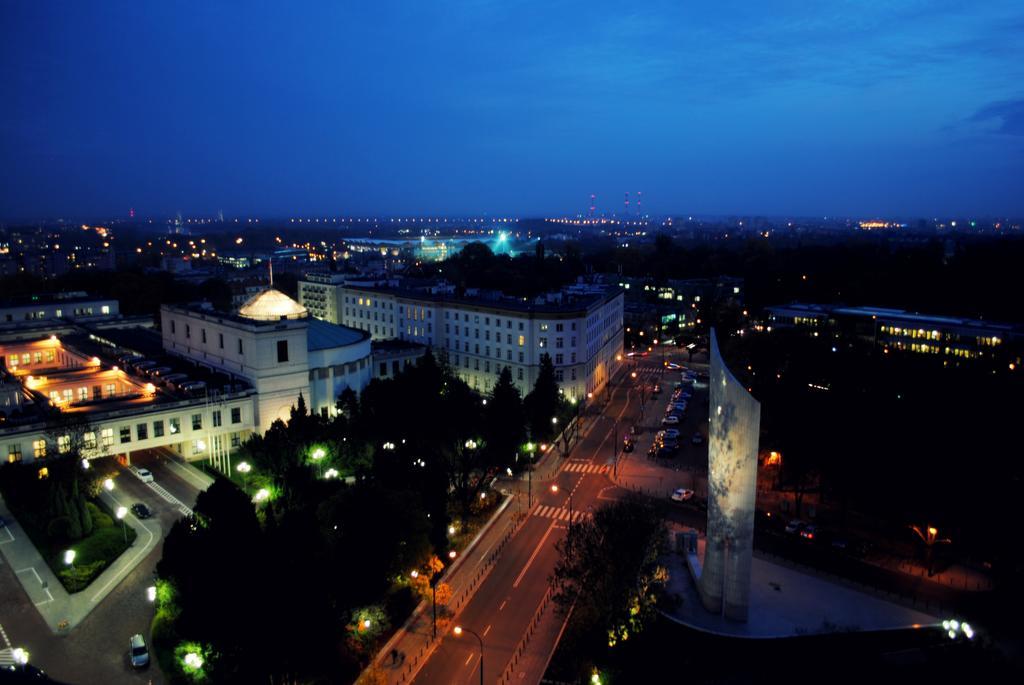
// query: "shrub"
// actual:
[[76, 578], [100, 519]]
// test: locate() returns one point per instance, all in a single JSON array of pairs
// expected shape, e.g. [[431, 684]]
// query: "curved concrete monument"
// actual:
[[735, 418]]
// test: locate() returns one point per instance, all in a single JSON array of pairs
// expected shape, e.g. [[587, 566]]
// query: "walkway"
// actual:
[[62, 611]]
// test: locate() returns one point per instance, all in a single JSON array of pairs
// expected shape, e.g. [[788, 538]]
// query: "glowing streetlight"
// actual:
[[20, 656], [415, 574], [121, 513], [331, 473], [193, 660], [318, 455], [261, 495], [108, 484], [86, 465], [69, 557], [451, 530], [554, 420], [458, 631], [452, 554], [243, 467], [366, 623], [151, 593], [471, 444]]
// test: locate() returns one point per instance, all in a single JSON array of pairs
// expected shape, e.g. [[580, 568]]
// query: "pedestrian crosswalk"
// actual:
[[577, 467], [560, 513], [6, 656], [162, 491]]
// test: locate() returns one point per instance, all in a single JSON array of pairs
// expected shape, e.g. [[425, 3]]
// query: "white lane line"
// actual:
[[503, 605], [7, 530], [3, 633], [468, 659], [486, 630], [533, 556]]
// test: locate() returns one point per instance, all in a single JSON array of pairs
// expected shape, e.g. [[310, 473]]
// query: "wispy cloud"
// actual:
[[1008, 114]]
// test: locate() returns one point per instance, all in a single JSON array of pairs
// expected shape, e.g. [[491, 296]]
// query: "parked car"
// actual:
[[671, 433], [682, 495], [137, 651], [677, 406], [664, 452], [158, 371], [697, 438], [795, 526], [141, 510], [627, 444], [670, 420], [145, 475]]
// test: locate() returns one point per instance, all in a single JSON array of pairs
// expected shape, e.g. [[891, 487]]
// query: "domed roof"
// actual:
[[272, 305]]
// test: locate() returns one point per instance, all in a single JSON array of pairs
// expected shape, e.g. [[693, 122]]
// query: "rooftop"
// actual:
[[560, 302], [324, 335], [272, 305]]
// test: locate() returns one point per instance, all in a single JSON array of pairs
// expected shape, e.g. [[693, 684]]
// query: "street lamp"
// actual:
[[318, 455], [151, 593], [471, 444], [331, 473], [261, 495], [554, 489], [459, 630], [20, 657], [69, 557], [121, 512], [108, 484], [244, 468]]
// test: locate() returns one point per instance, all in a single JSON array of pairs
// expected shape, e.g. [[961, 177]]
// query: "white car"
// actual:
[[144, 475], [670, 421], [681, 494]]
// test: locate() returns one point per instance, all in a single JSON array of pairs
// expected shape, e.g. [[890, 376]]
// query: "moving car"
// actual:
[[138, 653], [682, 494], [145, 475], [673, 365], [627, 444], [808, 532], [141, 510]]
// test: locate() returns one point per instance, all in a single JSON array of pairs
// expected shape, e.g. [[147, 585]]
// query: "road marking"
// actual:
[[468, 659], [40, 581], [533, 556], [503, 605], [7, 529], [3, 633], [484, 555], [586, 468], [162, 491], [487, 630]]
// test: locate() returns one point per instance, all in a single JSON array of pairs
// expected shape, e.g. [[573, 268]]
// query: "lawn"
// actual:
[[93, 553]]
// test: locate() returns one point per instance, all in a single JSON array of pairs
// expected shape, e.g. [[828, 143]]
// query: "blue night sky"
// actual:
[[895, 107]]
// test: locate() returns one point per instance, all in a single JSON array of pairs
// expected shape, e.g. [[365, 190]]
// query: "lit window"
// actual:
[[39, 449]]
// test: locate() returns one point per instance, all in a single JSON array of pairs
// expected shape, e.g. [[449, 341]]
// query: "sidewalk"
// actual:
[[414, 640], [62, 611]]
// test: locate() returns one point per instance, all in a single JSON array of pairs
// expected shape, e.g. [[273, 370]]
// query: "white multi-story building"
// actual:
[[580, 327], [318, 294], [275, 345]]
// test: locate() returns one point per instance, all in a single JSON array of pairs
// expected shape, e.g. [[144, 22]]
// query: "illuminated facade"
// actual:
[[581, 328], [951, 339], [735, 422]]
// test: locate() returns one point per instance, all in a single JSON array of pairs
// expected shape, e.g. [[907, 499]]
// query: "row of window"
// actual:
[[58, 313], [202, 331], [26, 358], [106, 436]]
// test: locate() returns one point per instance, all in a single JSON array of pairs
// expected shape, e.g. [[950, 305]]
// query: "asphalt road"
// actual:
[[96, 651], [503, 606]]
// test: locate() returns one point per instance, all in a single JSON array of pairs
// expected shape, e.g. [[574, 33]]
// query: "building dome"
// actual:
[[272, 305]]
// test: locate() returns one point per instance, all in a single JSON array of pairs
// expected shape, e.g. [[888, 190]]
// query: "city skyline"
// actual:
[[879, 110]]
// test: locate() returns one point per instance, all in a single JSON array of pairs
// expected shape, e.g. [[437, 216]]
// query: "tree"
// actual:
[[542, 404], [612, 596], [504, 427]]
